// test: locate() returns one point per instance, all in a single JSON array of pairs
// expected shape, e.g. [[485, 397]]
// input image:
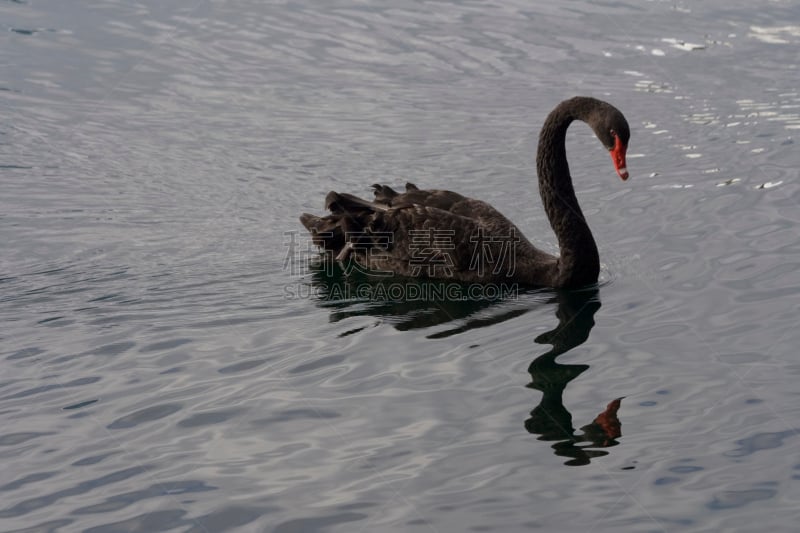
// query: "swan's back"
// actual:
[[423, 233]]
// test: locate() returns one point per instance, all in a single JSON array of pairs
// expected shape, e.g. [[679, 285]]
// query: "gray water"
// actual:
[[169, 363]]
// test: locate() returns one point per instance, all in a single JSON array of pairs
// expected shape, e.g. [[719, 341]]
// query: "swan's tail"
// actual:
[[326, 232], [348, 224]]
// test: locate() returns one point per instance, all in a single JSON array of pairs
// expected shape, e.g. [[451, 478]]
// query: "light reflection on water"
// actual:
[[157, 376]]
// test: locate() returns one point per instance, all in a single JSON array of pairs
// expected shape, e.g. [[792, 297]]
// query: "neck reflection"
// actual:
[[550, 419]]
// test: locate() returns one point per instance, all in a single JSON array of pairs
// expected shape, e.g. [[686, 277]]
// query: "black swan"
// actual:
[[443, 235]]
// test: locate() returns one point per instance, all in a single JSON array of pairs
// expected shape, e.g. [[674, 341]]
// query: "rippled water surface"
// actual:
[[170, 364]]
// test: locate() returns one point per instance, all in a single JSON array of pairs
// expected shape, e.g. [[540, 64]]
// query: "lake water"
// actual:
[[169, 363]]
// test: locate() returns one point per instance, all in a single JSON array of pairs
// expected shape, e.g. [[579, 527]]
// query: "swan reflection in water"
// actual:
[[550, 419], [357, 294]]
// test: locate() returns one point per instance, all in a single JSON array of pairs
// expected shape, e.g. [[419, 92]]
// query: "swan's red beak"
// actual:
[[618, 156]]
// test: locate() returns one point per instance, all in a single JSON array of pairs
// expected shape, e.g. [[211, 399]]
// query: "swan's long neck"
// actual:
[[579, 262]]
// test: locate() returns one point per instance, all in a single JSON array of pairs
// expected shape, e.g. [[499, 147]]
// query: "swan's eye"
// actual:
[[613, 139]]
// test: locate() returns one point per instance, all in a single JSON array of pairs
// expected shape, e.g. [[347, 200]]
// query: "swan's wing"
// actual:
[[441, 199], [428, 242]]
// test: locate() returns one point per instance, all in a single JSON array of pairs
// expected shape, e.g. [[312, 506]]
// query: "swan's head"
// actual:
[[612, 129]]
